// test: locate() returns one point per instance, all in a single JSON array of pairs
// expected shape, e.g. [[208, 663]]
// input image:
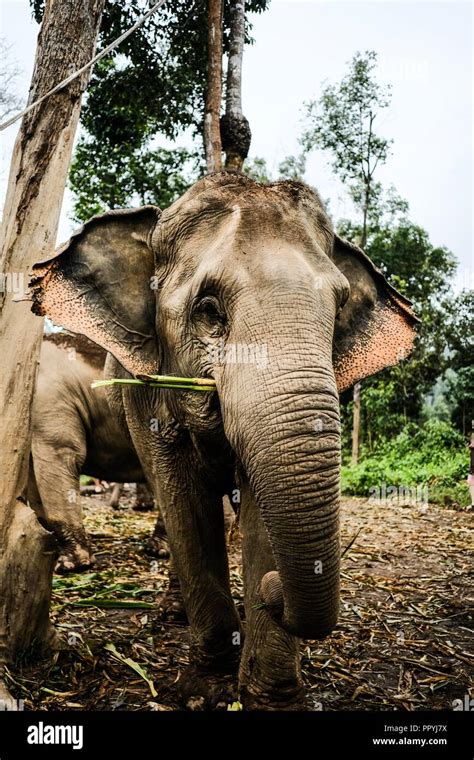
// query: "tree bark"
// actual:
[[38, 173], [212, 135], [235, 129]]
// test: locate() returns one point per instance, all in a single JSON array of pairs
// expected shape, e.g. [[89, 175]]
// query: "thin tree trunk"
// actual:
[[363, 237], [235, 129], [212, 134], [37, 179]]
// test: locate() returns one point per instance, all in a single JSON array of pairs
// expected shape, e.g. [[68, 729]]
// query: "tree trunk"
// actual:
[[356, 425], [37, 179], [235, 129], [365, 216], [212, 135]]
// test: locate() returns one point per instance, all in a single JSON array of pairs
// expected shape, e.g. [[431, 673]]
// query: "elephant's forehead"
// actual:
[[243, 221], [205, 214]]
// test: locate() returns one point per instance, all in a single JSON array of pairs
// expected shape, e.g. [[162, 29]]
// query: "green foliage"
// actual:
[[121, 177], [423, 273], [459, 379], [342, 123], [292, 167], [434, 454], [151, 87], [257, 169], [436, 406], [460, 391], [461, 330], [100, 589]]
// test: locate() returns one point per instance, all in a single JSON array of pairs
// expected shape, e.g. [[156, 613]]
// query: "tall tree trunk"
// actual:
[[212, 134], [235, 129], [35, 191], [365, 213]]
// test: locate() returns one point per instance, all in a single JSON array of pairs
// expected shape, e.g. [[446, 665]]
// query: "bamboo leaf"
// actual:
[[234, 707], [112, 604], [133, 665], [162, 381]]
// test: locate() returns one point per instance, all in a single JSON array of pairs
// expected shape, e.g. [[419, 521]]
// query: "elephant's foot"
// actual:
[[144, 501], [143, 506], [202, 689], [76, 559], [270, 669], [7, 702], [157, 547], [285, 697], [157, 544], [210, 682], [171, 607]]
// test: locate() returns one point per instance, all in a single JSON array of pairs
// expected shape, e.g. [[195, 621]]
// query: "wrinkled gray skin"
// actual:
[[234, 262], [74, 432]]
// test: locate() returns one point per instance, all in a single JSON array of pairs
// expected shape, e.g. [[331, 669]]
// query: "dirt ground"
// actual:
[[404, 640]]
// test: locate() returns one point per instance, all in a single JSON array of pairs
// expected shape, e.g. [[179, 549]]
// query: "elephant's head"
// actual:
[[248, 284]]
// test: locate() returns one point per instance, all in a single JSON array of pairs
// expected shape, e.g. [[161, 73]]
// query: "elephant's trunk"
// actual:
[[283, 422]]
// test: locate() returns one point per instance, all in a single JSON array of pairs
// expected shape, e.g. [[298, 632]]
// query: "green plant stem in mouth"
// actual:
[[163, 381]]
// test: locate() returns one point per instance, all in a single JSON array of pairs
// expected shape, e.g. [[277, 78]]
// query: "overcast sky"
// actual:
[[425, 51]]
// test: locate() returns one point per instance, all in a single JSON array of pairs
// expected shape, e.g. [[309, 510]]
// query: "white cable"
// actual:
[[80, 71]]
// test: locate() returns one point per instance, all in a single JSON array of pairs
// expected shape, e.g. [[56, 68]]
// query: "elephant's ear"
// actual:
[[99, 284], [376, 326]]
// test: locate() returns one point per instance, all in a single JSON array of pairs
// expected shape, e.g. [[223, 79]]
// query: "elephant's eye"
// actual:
[[207, 309]]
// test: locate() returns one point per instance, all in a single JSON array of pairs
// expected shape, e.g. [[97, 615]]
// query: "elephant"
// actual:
[[246, 284], [74, 432], [144, 498]]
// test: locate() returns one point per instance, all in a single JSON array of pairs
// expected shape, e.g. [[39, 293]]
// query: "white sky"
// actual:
[[425, 51]]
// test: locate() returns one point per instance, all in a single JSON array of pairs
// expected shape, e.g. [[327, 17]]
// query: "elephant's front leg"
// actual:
[[194, 520], [54, 493], [270, 672]]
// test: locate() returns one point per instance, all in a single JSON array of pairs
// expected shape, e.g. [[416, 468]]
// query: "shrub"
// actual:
[[434, 455]]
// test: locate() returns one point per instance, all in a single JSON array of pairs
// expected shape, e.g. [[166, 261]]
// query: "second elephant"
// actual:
[[74, 432]]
